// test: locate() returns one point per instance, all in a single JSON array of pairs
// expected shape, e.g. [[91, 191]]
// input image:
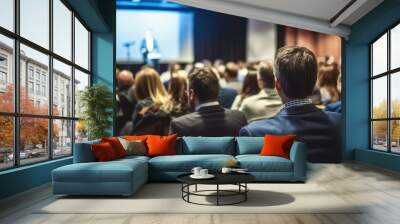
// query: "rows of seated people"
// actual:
[[293, 95]]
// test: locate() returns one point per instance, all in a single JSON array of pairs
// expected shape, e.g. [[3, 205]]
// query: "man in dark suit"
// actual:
[[226, 97], [209, 118], [296, 75]]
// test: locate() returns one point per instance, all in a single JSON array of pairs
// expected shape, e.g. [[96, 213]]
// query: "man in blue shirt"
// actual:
[[296, 75]]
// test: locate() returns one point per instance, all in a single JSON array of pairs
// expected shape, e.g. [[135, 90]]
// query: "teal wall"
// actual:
[[99, 15], [103, 62], [24, 178], [356, 84]]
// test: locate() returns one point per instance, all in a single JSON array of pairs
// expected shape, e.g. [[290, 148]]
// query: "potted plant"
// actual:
[[96, 103]]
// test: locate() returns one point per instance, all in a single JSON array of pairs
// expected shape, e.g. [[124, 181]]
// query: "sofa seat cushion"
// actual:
[[185, 163], [257, 163], [133, 158], [207, 145], [113, 171]]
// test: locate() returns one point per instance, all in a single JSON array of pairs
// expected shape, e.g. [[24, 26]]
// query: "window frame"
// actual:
[[16, 115], [388, 74]]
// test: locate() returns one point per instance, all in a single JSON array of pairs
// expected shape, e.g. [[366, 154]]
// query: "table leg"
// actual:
[[217, 194], [188, 190], [245, 193]]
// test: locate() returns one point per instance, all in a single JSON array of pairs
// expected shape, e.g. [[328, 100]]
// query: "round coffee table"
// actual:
[[238, 179]]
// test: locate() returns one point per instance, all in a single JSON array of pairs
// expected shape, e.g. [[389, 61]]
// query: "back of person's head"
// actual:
[[148, 85], [328, 77], [231, 70], [174, 67], [250, 84], [296, 71], [253, 65], [125, 79], [266, 75], [178, 87], [204, 83]]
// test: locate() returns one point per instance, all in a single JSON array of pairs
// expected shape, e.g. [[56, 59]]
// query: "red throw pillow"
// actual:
[[116, 145], [277, 145], [103, 152], [161, 145]]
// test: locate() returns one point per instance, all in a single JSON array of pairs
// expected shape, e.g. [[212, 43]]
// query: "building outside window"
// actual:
[[3, 72], [30, 72], [57, 127], [385, 94], [30, 87]]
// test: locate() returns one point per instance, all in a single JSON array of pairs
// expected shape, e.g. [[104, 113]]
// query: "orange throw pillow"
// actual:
[[103, 152], [277, 145], [136, 137], [116, 145], [161, 145]]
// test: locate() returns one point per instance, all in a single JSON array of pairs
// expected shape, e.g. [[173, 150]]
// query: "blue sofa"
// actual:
[[125, 176]]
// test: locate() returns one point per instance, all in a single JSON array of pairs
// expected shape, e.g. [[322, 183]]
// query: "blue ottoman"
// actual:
[[118, 177]]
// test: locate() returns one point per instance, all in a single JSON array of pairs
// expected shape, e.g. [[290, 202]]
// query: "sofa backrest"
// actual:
[[249, 145], [83, 152], [207, 145], [190, 146]]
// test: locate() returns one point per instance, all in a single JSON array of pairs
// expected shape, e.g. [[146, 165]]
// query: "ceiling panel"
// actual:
[[319, 9]]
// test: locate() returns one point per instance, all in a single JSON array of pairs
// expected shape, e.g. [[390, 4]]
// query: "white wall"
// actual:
[[261, 40]]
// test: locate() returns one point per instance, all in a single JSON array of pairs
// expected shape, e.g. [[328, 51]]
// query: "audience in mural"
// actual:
[[296, 75], [328, 78], [209, 117], [178, 90], [231, 77], [152, 113], [266, 103], [126, 98], [248, 99], [250, 88]]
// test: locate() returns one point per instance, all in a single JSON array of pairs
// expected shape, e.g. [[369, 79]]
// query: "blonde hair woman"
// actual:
[[178, 89], [152, 111], [148, 85]]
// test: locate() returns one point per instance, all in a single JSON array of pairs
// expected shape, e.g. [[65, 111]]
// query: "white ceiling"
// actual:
[[321, 9], [315, 15]]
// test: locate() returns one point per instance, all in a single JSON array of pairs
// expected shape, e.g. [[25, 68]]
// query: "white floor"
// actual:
[[376, 189]]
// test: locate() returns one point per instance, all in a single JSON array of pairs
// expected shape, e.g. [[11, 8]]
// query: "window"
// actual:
[[30, 88], [6, 142], [30, 72], [3, 78], [44, 91], [37, 90], [62, 137], [3, 61], [385, 95], [42, 122], [81, 81], [38, 74], [3, 72], [7, 14], [34, 24], [62, 74], [7, 73], [81, 45], [62, 29]]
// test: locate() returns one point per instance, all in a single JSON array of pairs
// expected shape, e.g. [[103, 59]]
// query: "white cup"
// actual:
[[226, 170], [196, 171], [203, 172]]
